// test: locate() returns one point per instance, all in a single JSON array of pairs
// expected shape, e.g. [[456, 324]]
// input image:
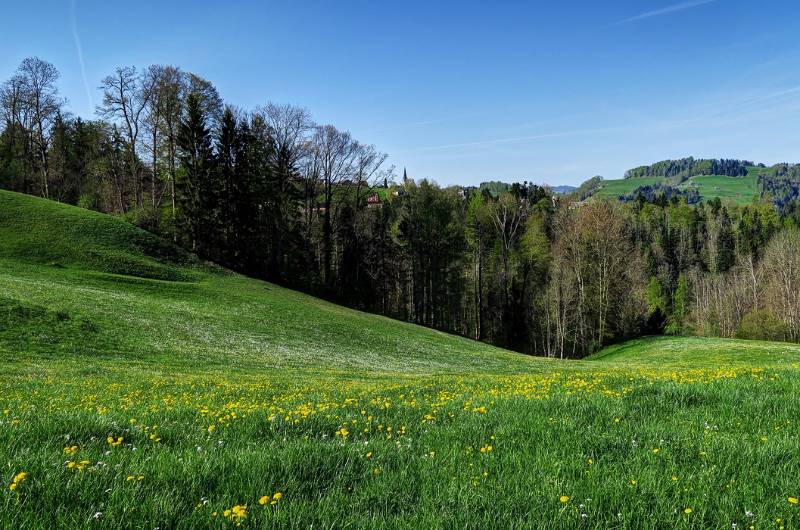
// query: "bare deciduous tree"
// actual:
[[125, 99], [334, 153], [31, 105]]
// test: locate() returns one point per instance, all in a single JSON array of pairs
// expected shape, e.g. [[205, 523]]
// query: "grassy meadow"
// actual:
[[614, 188], [140, 388], [739, 190]]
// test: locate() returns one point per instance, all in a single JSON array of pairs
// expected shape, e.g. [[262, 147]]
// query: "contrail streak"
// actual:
[[79, 48], [665, 10]]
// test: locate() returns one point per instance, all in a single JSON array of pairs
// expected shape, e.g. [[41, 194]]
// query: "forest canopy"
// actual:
[[271, 193]]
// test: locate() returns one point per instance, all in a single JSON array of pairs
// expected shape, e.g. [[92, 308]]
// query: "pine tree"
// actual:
[[228, 152], [726, 243], [196, 177]]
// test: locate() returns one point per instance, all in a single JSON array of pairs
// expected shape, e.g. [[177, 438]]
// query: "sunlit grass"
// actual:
[[631, 448], [211, 400]]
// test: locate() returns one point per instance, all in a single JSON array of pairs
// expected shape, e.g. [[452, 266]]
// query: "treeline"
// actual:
[[272, 194], [662, 194], [780, 184], [689, 167]]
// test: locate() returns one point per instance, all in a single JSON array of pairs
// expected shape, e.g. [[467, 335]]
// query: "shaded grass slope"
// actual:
[[79, 283], [35, 230]]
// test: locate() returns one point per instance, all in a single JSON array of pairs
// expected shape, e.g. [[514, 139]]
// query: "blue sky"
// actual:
[[462, 92]]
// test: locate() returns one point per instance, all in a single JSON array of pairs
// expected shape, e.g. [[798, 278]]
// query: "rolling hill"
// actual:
[[143, 388], [739, 190], [730, 180], [146, 299]]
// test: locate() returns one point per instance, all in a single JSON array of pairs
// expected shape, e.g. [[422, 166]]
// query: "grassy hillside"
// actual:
[[44, 232], [60, 262], [165, 393], [612, 189], [740, 190], [699, 352]]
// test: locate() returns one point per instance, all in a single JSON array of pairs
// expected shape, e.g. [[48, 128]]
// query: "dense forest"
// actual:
[[690, 167], [269, 193]]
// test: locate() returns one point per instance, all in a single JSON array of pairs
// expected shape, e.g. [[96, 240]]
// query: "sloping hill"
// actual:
[[739, 190], [698, 353], [34, 230], [79, 283], [141, 389]]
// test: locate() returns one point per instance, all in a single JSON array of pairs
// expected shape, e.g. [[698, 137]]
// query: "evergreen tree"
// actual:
[[726, 243], [228, 151], [195, 184]]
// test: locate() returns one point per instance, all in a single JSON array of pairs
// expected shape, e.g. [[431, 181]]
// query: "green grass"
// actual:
[[739, 190], [225, 389], [613, 189], [700, 352]]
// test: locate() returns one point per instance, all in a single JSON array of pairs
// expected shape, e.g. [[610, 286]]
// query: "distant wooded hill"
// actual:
[[695, 180]]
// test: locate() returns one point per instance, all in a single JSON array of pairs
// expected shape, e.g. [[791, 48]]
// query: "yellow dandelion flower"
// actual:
[[793, 500], [563, 498], [343, 432], [17, 480], [687, 510]]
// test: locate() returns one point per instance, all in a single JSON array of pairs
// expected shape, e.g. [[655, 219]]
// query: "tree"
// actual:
[[334, 153], [508, 215], [31, 105], [725, 243], [288, 129], [42, 98], [781, 270], [208, 97], [197, 165], [477, 227], [154, 83], [680, 306], [656, 304], [125, 99], [170, 90], [228, 151]]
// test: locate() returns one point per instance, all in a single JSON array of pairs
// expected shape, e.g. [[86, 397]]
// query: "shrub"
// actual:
[[87, 201], [762, 324]]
